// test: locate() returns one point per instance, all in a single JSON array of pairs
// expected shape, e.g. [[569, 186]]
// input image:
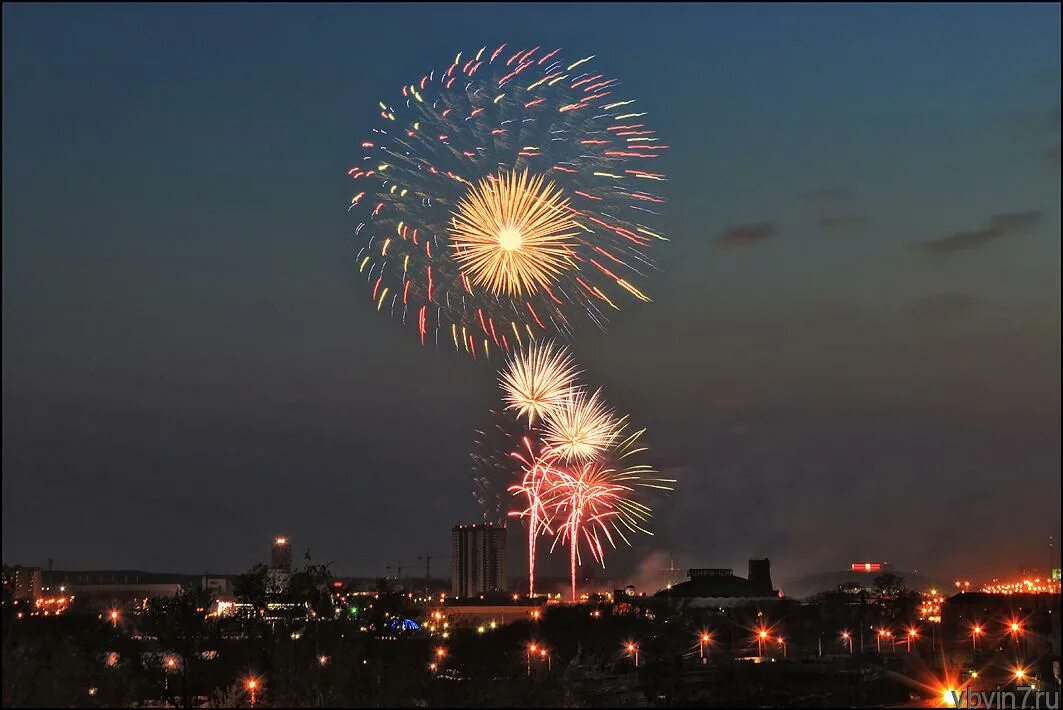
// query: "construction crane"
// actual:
[[397, 567], [427, 559]]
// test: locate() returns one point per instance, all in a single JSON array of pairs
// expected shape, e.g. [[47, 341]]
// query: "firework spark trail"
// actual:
[[504, 196], [538, 474], [594, 500]]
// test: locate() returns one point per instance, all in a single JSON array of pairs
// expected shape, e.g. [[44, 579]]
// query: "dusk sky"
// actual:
[[852, 351]]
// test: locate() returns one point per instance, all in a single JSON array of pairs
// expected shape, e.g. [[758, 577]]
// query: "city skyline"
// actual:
[[852, 353]]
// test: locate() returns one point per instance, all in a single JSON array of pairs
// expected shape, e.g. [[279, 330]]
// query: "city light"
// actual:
[[1027, 585]]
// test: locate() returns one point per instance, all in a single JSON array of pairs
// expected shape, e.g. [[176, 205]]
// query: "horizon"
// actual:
[[852, 349]]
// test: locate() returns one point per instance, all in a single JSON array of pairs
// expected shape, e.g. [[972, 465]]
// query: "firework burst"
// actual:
[[537, 379], [513, 235], [580, 426], [592, 503], [507, 195]]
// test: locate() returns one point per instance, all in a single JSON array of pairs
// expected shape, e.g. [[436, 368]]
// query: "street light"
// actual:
[[549, 661], [532, 648], [976, 631], [169, 666], [848, 638], [782, 642], [1015, 629], [114, 618], [913, 634], [762, 636], [252, 688], [633, 650], [705, 638]]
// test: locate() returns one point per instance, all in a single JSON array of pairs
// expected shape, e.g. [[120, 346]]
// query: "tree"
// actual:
[[181, 627], [889, 584], [311, 586], [250, 587]]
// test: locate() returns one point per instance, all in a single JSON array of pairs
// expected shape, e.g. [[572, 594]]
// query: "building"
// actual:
[[217, 586], [279, 574], [26, 583], [719, 587], [111, 596], [479, 560], [281, 557]]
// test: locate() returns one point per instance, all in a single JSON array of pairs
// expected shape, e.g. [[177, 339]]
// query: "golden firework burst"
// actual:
[[512, 233], [535, 380], [580, 426]]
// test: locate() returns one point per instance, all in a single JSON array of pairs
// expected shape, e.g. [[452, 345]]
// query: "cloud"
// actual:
[[1014, 222], [942, 306], [841, 223], [746, 234], [832, 194], [999, 226]]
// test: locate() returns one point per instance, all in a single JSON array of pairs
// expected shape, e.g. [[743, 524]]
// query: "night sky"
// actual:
[[853, 350]]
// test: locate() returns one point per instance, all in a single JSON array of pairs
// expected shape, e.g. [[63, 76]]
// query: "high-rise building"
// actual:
[[479, 560], [280, 567], [282, 554], [27, 583]]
